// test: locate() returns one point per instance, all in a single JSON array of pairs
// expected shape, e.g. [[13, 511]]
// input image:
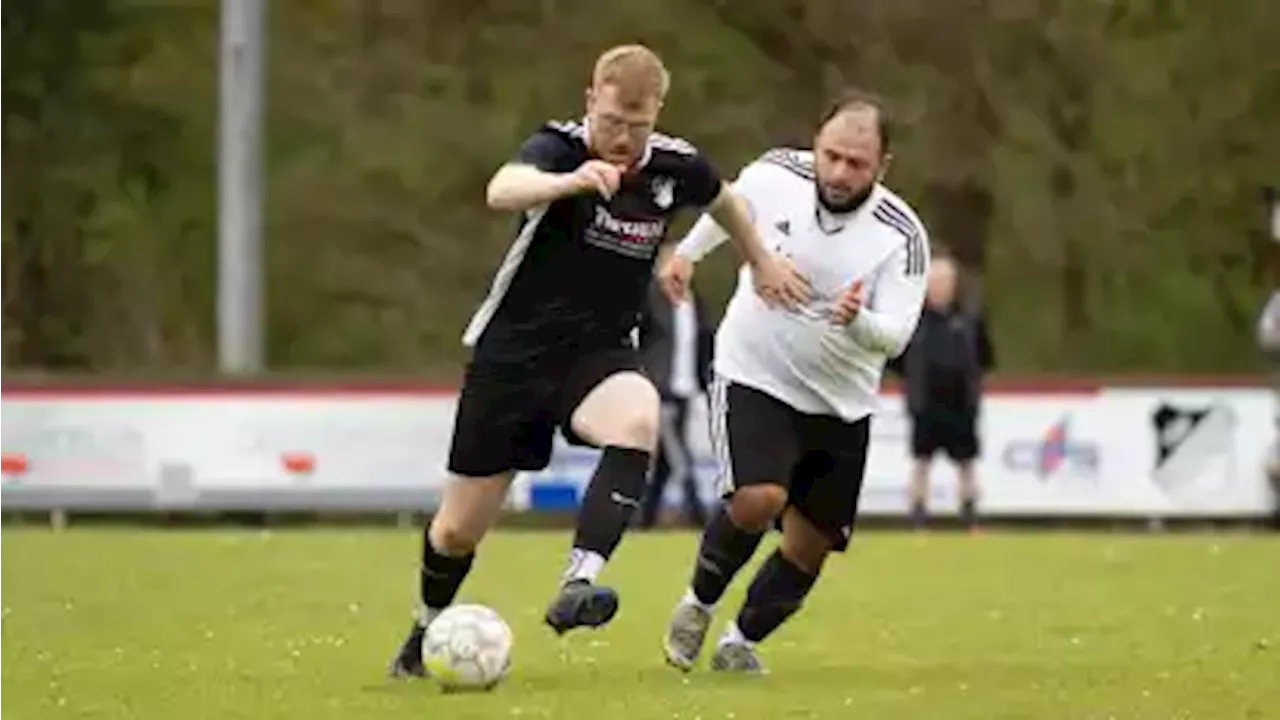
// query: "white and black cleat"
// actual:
[[686, 634], [737, 657]]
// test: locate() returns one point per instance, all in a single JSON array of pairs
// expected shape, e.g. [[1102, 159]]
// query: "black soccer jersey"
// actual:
[[576, 275]]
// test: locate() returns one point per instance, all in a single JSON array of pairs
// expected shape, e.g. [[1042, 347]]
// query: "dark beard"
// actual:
[[847, 206]]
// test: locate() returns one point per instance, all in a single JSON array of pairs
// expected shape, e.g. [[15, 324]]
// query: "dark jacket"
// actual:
[[953, 338], [657, 340]]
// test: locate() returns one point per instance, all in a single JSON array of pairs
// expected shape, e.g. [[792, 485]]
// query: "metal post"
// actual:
[[239, 187]]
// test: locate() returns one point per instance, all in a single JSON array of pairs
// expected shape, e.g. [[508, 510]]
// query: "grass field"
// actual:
[[299, 624]]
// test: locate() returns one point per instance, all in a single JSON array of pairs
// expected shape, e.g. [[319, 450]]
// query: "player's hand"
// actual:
[[675, 277], [849, 304], [597, 176], [779, 283]]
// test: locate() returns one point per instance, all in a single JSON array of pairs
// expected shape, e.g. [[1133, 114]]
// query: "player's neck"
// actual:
[[833, 220]]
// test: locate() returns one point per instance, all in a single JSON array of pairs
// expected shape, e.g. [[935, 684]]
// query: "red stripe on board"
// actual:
[[316, 390], [338, 389]]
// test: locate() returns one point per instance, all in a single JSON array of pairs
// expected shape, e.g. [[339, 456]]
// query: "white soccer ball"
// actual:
[[467, 647]]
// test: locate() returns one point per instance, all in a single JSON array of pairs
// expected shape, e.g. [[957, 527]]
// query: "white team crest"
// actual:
[[664, 192]]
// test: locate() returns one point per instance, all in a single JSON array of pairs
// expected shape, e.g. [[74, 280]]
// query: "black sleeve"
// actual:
[[986, 353], [706, 344], [700, 182], [548, 151]]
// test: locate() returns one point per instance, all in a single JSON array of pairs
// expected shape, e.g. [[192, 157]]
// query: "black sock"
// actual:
[[777, 591], [969, 512], [724, 550], [615, 492], [441, 575]]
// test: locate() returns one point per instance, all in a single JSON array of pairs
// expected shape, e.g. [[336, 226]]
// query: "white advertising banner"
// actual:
[[234, 448], [1148, 452]]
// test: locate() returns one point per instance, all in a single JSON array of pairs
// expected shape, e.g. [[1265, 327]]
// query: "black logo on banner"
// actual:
[[1188, 438]]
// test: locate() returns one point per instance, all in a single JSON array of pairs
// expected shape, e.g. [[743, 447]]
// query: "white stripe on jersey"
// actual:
[[659, 141], [505, 275]]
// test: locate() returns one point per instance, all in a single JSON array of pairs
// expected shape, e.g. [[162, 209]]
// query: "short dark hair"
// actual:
[[856, 97]]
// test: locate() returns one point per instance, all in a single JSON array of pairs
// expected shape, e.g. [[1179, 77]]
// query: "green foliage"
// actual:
[[1099, 165]]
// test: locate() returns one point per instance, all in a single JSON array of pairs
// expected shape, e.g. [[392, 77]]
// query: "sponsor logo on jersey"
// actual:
[[633, 238]]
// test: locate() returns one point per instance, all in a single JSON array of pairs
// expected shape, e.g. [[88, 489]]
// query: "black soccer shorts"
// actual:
[[820, 459], [954, 432], [508, 413]]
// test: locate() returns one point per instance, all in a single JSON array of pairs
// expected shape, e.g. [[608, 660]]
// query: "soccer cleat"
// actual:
[[685, 635], [408, 660], [737, 657], [581, 604]]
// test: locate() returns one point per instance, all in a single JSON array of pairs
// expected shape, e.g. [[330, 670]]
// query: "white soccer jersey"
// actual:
[[803, 357]]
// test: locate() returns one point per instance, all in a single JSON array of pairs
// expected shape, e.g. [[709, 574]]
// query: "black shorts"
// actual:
[[954, 432], [508, 414], [820, 459]]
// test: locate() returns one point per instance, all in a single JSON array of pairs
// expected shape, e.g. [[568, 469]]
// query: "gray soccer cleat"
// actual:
[[685, 635], [737, 657]]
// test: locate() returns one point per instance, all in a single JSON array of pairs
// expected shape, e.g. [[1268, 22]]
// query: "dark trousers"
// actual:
[[673, 462]]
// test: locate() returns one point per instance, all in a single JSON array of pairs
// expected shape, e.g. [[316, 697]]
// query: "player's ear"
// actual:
[[885, 162]]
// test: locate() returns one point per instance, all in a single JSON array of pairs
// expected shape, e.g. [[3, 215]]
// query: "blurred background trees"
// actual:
[[1098, 164]]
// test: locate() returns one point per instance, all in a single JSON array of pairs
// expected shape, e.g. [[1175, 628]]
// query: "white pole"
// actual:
[[1273, 197], [240, 187]]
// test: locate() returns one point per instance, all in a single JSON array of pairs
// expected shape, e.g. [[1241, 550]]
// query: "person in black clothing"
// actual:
[[552, 343], [676, 342], [944, 366]]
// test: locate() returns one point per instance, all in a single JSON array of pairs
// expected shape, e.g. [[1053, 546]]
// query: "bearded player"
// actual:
[[795, 389]]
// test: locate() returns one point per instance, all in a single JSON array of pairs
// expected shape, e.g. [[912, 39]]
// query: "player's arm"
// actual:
[[705, 235], [1269, 325], [709, 232], [777, 283], [986, 351], [518, 187], [731, 212], [886, 321], [546, 170]]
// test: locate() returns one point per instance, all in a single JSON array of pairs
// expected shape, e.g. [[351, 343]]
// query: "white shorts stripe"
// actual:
[[718, 419]]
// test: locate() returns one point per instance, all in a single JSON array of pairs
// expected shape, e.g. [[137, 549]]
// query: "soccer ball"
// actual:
[[467, 647]]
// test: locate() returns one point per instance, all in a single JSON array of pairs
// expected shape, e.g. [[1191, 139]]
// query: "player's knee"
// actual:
[[622, 411], [803, 543], [755, 507], [634, 425], [451, 537], [807, 551], [638, 427]]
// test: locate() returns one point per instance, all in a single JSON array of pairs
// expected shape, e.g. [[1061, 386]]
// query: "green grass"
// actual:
[[299, 624]]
